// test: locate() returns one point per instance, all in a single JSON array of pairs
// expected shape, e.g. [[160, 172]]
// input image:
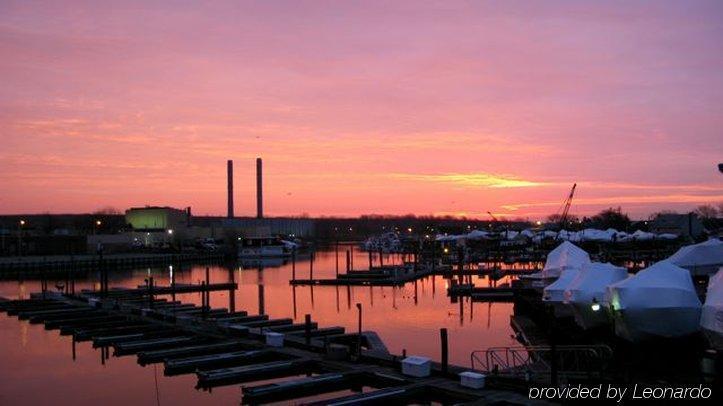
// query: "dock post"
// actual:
[[293, 264], [359, 334], [150, 292], [370, 260], [204, 306], [336, 255], [445, 349], [351, 256], [311, 266], [208, 283], [307, 328], [348, 263]]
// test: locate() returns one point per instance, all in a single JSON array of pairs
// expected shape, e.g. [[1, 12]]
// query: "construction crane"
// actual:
[[493, 217], [566, 209]]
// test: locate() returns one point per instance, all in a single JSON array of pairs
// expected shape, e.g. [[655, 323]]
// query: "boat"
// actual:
[[658, 302], [554, 293], [265, 247], [586, 293], [565, 256], [711, 319], [700, 259]]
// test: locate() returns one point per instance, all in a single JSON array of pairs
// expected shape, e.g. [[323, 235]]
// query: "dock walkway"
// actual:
[[222, 348]]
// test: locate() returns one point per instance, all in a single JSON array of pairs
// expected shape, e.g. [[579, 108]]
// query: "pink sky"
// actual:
[[362, 107]]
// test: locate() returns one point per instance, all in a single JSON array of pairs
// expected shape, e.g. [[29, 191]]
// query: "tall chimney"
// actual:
[[229, 176], [259, 190]]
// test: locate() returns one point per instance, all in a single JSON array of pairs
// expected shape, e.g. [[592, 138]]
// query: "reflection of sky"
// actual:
[[362, 108], [407, 317]]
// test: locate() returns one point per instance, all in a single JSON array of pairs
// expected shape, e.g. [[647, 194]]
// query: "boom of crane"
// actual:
[[566, 210]]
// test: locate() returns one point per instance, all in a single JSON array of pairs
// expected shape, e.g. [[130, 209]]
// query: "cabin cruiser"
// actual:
[[711, 319], [554, 293], [657, 302], [265, 247], [700, 259], [565, 256], [586, 293]]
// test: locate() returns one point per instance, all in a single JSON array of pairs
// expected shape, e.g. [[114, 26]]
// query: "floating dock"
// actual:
[[224, 347]]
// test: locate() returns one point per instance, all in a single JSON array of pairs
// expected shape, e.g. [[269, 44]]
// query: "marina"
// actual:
[[360, 203], [223, 327]]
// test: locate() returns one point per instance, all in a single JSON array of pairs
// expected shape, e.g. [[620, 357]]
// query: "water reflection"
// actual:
[[406, 318]]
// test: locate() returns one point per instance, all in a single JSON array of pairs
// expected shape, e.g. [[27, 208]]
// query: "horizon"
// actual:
[[423, 108]]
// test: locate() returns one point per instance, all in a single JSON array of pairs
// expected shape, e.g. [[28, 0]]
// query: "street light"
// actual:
[[21, 223]]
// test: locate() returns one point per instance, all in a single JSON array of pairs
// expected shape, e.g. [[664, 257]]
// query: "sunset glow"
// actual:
[[360, 108]]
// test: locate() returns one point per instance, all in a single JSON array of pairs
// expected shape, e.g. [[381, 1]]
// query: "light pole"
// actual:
[[21, 223]]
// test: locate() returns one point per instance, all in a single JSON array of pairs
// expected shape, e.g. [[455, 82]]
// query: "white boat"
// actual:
[[565, 256], [264, 247], [554, 293], [700, 259], [711, 319], [658, 302], [586, 293]]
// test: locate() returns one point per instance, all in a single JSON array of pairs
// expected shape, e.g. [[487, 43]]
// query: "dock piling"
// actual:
[[359, 335], [307, 328], [445, 349]]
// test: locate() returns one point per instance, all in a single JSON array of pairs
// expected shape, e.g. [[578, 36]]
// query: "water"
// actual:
[[39, 368]]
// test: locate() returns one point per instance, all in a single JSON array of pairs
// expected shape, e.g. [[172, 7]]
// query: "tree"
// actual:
[[706, 211], [107, 210], [709, 215], [556, 218], [611, 218]]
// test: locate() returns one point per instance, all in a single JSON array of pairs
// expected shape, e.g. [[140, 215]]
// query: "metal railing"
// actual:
[[536, 362]]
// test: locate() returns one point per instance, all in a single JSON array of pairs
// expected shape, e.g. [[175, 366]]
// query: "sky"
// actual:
[[361, 107]]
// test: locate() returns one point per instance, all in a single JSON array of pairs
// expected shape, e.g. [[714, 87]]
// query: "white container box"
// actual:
[[419, 367], [274, 339], [472, 380]]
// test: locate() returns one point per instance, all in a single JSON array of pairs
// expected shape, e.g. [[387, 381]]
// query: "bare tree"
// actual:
[[107, 210], [706, 211]]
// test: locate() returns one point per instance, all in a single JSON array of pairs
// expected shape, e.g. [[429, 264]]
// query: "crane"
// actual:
[[493, 217], [566, 209]]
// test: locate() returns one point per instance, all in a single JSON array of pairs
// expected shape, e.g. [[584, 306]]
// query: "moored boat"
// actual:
[[586, 293], [264, 247], [657, 302], [711, 319], [700, 259]]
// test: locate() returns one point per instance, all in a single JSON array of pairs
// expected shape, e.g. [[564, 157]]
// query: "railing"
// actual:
[[534, 362]]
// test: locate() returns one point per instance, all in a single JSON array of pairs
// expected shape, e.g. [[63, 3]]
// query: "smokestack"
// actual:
[[229, 176], [259, 190]]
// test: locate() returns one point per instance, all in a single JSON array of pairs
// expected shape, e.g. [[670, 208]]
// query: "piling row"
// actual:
[[223, 347]]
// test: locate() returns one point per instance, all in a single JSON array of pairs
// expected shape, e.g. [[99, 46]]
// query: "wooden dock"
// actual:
[[40, 266], [228, 348]]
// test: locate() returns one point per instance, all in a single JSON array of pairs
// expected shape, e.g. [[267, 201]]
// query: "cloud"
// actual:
[[473, 180]]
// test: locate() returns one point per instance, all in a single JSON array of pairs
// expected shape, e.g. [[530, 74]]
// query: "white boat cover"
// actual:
[[700, 259], [555, 292], [587, 288], [566, 256], [711, 318], [659, 301], [477, 235]]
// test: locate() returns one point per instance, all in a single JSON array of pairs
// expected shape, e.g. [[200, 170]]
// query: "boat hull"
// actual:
[[264, 252], [652, 323]]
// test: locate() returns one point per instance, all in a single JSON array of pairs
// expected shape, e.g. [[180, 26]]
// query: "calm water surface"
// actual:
[[38, 367]]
